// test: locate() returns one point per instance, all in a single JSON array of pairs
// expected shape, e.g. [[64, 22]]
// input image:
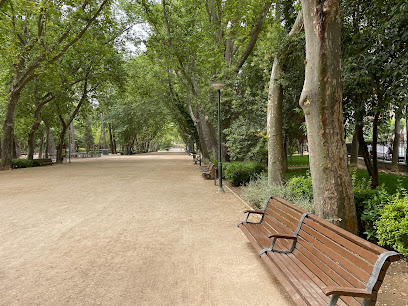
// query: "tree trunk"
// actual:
[[374, 177], [354, 150], [8, 128], [41, 147], [276, 153], [114, 144], [395, 145], [61, 141], [72, 146], [111, 138], [31, 138], [103, 132], [321, 100], [17, 147], [47, 145]]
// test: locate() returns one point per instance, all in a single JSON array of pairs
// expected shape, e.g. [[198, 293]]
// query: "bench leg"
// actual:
[[333, 300]]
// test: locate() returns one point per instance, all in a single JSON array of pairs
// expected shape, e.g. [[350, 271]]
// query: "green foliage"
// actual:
[[240, 173], [25, 163], [369, 204], [391, 182], [392, 226], [302, 186], [258, 191]]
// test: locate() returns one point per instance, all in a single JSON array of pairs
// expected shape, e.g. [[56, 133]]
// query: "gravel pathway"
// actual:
[[136, 230]]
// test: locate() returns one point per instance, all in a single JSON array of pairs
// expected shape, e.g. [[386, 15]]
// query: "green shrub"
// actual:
[[258, 191], [22, 163], [369, 203], [393, 225], [302, 186], [240, 173]]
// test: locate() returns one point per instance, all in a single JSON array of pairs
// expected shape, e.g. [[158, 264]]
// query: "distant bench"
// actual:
[[85, 155], [45, 161], [317, 262], [208, 171]]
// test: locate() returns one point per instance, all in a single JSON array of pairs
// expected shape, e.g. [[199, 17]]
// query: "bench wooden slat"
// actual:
[[289, 222], [335, 271], [340, 239], [300, 280], [330, 252], [324, 255], [339, 254], [284, 210], [313, 276], [259, 231], [348, 236], [278, 225], [294, 294]]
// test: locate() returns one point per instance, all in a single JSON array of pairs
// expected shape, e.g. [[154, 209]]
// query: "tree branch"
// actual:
[[254, 35], [27, 76]]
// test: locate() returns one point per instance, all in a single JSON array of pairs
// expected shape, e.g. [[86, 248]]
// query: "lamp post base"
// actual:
[[220, 190]]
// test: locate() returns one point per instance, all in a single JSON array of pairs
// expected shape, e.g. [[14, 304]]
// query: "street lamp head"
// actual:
[[218, 85]]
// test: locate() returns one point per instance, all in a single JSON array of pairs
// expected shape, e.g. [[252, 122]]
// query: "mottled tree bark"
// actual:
[[321, 100], [274, 127], [8, 126]]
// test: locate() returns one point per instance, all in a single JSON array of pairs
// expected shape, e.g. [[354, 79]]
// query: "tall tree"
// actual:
[[321, 100], [276, 150], [38, 41]]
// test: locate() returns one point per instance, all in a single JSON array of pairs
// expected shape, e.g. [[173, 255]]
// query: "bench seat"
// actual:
[[316, 262], [208, 171], [45, 161]]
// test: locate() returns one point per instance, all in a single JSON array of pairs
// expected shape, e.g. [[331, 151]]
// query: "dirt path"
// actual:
[[138, 230]]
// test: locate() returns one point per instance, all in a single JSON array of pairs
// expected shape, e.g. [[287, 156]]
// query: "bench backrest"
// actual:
[[338, 257], [281, 216]]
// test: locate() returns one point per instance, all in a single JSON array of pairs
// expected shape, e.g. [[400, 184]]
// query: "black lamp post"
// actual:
[[218, 87]]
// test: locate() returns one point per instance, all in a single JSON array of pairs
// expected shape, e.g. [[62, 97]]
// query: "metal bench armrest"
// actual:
[[346, 291], [248, 211], [284, 236]]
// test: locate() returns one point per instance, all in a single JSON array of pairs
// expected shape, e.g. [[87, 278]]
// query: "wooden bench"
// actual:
[[317, 262], [45, 161], [208, 172]]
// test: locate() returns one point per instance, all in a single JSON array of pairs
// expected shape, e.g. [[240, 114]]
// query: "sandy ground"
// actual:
[[137, 230]]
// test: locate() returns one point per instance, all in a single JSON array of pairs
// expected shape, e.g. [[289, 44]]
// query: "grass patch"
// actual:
[[391, 182], [296, 172], [298, 160]]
